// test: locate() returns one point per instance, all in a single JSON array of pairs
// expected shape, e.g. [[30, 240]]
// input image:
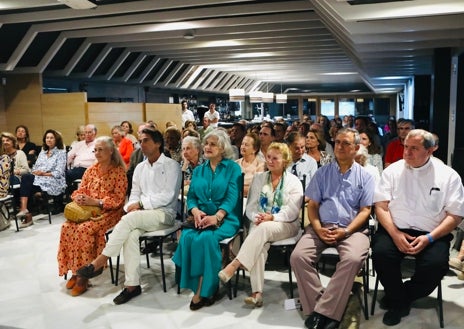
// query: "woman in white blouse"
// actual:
[[273, 207]]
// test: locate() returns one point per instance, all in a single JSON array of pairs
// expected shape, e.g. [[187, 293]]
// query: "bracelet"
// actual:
[[219, 220], [141, 205], [429, 236]]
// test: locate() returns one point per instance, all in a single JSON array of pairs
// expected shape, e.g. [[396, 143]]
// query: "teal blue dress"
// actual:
[[198, 253]]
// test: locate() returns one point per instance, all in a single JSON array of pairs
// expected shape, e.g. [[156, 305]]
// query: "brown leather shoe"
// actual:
[[80, 287], [71, 282]]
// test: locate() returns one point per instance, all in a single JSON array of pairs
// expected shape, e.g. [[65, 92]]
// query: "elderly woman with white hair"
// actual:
[[362, 158], [213, 203], [191, 158]]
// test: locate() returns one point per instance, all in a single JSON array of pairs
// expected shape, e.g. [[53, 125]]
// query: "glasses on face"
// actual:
[[343, 143], [98, 149], [404, 128]]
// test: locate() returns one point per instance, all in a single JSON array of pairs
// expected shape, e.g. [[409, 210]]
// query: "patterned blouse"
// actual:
[[56, 164]]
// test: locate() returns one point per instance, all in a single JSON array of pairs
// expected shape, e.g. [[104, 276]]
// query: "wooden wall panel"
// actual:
[[64, 112], [106, 115], [22, 97], [162, 113]]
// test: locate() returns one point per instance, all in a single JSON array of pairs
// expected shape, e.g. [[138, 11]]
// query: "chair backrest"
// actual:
[[5, 172], [303, 203], [182, 198]]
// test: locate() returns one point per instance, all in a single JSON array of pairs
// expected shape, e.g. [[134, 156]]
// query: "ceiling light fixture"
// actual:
[[236, 95], [78, 4], [256, 97]]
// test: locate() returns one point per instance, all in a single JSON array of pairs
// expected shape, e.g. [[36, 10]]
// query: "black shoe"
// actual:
[[89, 272], [203, 302], [331, 324], [150, 248], [127, 295], [394, 315], [315, 321]]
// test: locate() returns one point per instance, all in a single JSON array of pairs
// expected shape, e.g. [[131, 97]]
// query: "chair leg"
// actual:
[[110, 261], [163, 275], [374, 296], [365, 277], [440, 306], [290, 279], [116, 276]]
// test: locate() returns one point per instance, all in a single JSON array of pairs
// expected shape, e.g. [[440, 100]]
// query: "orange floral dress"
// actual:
[[81, 243]]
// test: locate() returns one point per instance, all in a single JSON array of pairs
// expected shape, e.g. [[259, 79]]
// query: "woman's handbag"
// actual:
[[78, 214]]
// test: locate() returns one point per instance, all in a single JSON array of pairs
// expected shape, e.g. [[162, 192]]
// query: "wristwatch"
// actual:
[[347, 232], [100, 204]]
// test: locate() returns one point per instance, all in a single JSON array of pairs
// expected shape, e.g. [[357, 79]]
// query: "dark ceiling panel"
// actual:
[[64, 54], [108, 61], [87, 60], [141, 67], [125, 65], [38, 48], [10, 36]]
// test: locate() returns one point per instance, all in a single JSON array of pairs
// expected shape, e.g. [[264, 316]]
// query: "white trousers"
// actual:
[[253, 253], [126, 234]]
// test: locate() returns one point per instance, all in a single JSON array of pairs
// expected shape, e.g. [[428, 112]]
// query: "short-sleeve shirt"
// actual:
[[341, 195], [420, 197]]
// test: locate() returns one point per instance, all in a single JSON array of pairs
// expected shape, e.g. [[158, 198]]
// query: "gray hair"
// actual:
[[427, 138], [116, 158], [343, 131], [119, 128], [195, 141], [223, 142]]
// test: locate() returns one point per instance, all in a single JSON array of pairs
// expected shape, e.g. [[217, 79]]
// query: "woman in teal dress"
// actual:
[[213, 201]]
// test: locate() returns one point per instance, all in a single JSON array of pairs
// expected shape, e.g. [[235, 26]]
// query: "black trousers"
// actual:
[[431, 266]]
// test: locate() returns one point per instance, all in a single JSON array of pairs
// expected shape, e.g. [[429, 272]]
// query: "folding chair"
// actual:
[[412, 260], [158, 237]]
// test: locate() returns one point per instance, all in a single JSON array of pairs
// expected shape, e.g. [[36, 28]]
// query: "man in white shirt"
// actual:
[[187, 115], [302, 164], [212, 115], [419, 201], [81, 156], [152, 206]]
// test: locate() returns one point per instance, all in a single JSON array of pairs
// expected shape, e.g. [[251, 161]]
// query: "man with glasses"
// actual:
[[302, 164], [395, 148], [340, 198], [80, 157]]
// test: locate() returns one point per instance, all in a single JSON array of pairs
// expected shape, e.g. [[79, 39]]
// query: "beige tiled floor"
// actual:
[[33, 296]]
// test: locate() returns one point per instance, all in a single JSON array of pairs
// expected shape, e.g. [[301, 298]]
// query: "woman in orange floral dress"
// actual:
[[104, 184]]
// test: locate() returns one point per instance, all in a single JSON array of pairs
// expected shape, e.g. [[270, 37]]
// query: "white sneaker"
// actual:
[[455, 263], [22, 213]]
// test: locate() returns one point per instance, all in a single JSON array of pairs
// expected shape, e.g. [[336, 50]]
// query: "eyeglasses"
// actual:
[[99, 149], [404, 128]]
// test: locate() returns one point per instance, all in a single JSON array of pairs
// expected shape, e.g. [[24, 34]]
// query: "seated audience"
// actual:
[[301, 164], [104, 185], [128, 133], [273, 207], [340, 198], [48, 174], [191, 158], [123, 144], [374, 156], [19, 159], [249, 162], [213, 202], [80, 136], [25, 145], [172, 144], [395, 147], [361, 158], [315, 144], [80, 157], [151, 206], [418, 202]]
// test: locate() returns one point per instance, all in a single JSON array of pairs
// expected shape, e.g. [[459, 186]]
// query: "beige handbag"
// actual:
[[78, 214]]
